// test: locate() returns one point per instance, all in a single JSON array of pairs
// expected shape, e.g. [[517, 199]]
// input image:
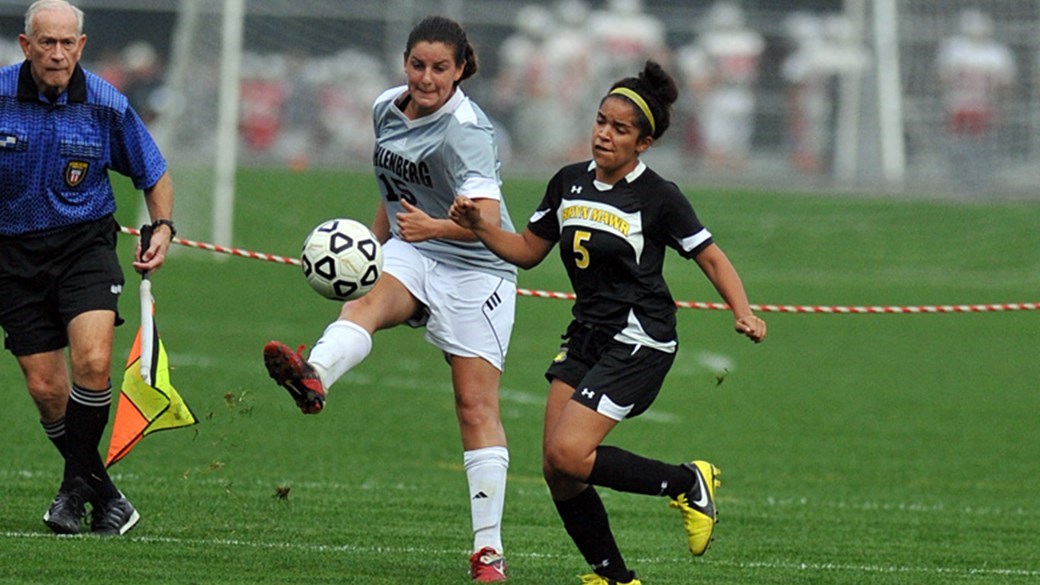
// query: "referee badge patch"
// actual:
[[75, 172]]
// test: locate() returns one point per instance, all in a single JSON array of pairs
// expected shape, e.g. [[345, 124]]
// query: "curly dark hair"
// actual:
[[659, 90]]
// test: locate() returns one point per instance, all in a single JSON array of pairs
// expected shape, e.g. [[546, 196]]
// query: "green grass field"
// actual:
[[855, 449]]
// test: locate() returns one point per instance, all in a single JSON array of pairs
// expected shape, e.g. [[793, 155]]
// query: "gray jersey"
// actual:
[[429, 160]]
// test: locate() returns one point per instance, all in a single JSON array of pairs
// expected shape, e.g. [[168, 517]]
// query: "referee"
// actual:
[[61, 130]]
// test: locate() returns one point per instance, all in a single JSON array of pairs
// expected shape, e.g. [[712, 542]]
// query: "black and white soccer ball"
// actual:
[[342, 259]]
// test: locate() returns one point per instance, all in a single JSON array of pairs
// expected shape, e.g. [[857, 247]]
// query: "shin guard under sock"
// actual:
[[486, 471], [86, 417], [343, 345], [586, 522], [623, 471], [55, 431]]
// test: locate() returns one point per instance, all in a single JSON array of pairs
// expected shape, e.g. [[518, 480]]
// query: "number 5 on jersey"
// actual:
[[581, 253]]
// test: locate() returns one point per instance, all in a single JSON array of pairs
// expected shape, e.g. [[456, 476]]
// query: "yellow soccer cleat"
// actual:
[[699, 513], [594, 579]]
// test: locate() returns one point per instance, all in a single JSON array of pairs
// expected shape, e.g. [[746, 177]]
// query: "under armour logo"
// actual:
[[576, 189], [588, 393]]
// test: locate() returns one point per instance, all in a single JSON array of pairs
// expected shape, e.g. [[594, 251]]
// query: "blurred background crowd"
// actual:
[[774, 93]]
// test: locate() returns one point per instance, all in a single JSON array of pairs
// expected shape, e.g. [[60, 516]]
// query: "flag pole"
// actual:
[[147, 323]]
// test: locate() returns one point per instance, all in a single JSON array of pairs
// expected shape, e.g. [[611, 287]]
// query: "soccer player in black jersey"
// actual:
[[613, 218]]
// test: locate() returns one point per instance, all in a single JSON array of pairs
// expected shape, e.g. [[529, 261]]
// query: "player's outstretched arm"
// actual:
[[415, 225], [723, 276], [525, 249]]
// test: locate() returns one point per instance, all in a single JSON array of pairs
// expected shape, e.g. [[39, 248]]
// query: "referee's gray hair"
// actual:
[[41, 5]]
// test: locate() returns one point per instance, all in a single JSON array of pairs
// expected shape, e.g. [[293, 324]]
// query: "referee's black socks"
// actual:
[[55, 431], [86, 417]]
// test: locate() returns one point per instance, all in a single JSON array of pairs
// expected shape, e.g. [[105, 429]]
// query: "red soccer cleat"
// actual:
[[292, 372], [487, 565]]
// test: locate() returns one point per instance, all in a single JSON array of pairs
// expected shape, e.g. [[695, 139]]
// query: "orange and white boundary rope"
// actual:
[[838, 310], [221, 249]]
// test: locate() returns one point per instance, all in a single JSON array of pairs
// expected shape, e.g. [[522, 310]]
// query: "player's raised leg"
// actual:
[[344, 344]]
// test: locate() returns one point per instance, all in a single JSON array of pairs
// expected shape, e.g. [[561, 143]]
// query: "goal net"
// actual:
[[921, 96], [277, 84], [970, 102], [308, 71]]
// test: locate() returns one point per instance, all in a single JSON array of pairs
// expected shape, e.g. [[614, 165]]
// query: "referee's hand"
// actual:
[[149, 259]]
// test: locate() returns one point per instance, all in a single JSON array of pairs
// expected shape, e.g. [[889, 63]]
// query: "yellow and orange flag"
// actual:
[[148, 401]]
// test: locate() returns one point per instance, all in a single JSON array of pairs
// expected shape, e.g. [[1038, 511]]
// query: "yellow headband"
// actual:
[[639, 101]]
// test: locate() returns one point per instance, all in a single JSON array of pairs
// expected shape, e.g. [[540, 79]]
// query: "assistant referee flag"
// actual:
[[148, 401]]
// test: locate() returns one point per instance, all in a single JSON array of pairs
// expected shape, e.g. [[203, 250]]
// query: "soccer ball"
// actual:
[[342, 259]]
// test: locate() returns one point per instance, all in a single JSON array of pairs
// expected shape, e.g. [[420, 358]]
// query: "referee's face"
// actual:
[[53, 49]]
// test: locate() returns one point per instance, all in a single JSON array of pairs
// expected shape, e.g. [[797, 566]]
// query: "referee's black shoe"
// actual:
[[113, 517], [65, 516]]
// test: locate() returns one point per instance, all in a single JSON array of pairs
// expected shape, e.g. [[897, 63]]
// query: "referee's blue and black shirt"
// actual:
[[55, 155]]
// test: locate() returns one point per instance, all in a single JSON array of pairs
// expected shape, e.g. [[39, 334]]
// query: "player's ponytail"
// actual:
[[471, 62], [653, 92]]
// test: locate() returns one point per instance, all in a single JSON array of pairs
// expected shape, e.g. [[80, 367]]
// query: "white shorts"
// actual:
[[470, 313]]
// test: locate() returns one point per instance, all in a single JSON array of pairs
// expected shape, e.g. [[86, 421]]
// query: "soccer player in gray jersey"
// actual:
[[432, 144], [613, 218]]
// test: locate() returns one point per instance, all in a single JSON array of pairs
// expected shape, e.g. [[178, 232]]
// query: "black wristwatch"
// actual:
[[168, 223]]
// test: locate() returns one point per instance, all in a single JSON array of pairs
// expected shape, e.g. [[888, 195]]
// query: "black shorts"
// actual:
[[47, 279], [615, 379]]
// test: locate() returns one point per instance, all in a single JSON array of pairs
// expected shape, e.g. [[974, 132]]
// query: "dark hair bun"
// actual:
[[659, 90], [658, 81]]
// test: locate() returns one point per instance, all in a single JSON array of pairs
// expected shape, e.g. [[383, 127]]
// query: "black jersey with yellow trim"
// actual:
[[612, 242]]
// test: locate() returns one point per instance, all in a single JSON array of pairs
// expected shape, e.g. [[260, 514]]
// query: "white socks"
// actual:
[[486, 472], [345, 344], [342, 346]]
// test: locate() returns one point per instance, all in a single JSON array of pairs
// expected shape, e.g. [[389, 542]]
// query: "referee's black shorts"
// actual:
[[615, 379], [47, 279]]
